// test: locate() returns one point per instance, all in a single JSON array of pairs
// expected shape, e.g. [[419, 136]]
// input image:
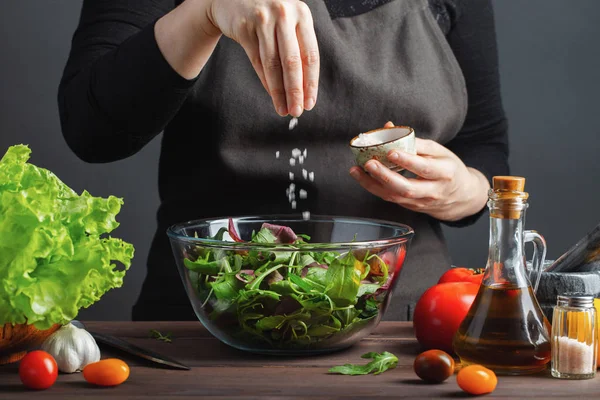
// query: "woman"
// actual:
[[218, 76]]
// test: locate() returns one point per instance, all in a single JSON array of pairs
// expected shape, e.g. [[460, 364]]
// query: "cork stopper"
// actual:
[[513, 183], [508, 195]]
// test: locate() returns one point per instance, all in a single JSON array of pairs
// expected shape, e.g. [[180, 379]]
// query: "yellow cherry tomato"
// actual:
[[476, 379], [108, 372]]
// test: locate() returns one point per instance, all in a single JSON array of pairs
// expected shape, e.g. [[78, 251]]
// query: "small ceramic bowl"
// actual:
[[376, 144]]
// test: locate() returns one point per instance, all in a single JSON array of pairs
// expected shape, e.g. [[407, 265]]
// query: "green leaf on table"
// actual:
[[381, 362]]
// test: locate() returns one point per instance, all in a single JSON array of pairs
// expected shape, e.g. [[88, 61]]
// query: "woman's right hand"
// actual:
[[279, 39]]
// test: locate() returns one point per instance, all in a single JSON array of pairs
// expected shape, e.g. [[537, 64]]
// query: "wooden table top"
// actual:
[[221, 372]]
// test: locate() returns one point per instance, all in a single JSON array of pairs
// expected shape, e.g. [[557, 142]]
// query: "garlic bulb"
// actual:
[[73, 348]]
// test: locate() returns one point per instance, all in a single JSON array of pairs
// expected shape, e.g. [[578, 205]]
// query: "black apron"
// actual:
[[391, 63]]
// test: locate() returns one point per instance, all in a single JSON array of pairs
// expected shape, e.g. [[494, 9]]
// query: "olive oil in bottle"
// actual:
[[505, 329]]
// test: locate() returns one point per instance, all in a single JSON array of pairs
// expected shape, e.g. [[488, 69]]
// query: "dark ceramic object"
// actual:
[[553, 284]]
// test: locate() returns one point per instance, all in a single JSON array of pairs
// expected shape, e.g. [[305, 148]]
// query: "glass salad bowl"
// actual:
[[285, 285]]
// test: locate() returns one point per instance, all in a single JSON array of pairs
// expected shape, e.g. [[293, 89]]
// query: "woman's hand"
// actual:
[[279, 39], [277, 35], [445, 188]]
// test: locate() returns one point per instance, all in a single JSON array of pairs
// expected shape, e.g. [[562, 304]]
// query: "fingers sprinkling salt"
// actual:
[[293, 123]]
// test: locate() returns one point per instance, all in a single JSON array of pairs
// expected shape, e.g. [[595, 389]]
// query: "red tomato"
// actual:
[[439, 312], [476, 379], [108, 372], [459, 274], [38, 370]]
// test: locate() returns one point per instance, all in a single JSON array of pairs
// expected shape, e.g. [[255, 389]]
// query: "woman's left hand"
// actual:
[[444, 188]]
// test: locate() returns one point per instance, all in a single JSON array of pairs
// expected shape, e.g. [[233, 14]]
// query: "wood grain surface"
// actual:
[[221, 372]]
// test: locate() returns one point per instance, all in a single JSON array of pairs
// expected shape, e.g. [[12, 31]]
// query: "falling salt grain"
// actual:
[[293, 123], [303, 194], [306, 215], [311, 176], [296, 153], [276, 154], [304, 173], [291, 176], [301, 159], [304, 154], [294, 205], [292, 161], [292, 187]]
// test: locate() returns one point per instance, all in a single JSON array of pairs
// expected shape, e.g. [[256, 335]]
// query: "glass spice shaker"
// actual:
[[574, 340]]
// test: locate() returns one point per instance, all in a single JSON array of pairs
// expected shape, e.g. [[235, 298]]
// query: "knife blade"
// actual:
[[146, 354], [132, 349]]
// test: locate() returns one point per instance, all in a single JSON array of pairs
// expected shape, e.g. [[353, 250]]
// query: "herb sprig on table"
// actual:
[[292, 297], [159, 336]]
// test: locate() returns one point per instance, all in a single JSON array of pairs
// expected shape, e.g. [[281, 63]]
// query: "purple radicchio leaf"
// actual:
[[283, 234], [274, 277], [245, 275], [233, 232]]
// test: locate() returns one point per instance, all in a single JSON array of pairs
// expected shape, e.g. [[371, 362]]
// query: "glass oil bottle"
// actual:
[[505, 329]]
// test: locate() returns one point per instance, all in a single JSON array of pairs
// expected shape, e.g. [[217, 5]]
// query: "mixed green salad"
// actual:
[[56, 256], [292, 297]]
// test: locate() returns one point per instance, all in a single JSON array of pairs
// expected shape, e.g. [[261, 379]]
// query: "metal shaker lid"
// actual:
[[579, 300]]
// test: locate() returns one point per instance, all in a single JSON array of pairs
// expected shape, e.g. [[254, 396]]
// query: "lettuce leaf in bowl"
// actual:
[[55, 253]]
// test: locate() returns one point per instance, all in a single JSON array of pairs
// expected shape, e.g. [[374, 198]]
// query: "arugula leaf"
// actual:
[[343, 280], [283, 287], [381, 363], [226, 288], [264, 235], [317, 277], [300, 283], [367, 288]]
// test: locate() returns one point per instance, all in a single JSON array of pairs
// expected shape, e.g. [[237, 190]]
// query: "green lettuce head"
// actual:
[[55, 255]]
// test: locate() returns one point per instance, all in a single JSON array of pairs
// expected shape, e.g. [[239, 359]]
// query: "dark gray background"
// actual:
[[549, 65]]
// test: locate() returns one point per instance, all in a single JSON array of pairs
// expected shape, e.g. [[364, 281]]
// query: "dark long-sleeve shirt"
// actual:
[[118, 92]]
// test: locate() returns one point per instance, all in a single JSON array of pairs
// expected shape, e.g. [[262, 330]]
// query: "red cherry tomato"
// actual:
[[459, 274], [476, 379], [439, 312], [108, 372], [38, 370]]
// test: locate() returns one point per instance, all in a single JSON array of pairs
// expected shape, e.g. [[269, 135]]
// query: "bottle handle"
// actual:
[[539, 256]]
